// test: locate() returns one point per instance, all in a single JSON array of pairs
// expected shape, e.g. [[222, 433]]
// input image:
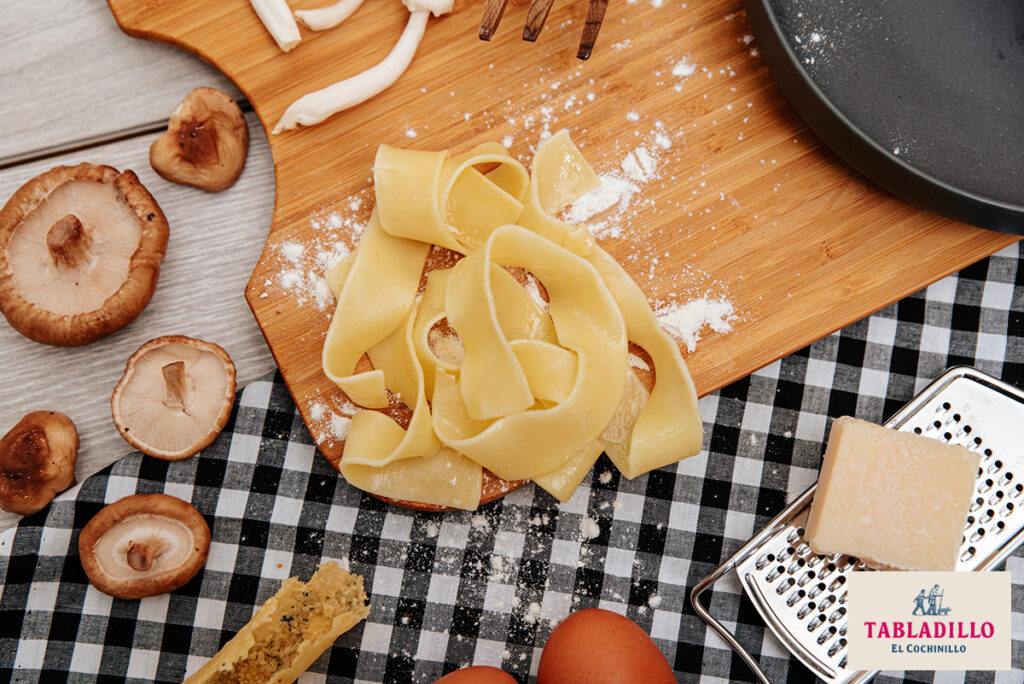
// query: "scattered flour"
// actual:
[[614, 191], [636, 362], [330, 417], [687, 321], [639, 165], [614, 200], [293, 251], [684, 68], [533, 289], [589, 529], [532, 613], [339, 426], [447, 346], [303, 264]]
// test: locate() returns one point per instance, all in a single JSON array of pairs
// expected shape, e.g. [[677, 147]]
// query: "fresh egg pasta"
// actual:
[[526, 388]]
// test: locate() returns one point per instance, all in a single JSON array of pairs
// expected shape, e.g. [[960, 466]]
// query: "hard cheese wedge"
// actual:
[[892, 499]]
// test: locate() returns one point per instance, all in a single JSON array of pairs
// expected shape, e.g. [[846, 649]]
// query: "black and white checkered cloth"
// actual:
[[454, 589]]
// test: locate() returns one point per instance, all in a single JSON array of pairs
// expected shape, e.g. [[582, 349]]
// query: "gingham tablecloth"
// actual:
[[487, 587]]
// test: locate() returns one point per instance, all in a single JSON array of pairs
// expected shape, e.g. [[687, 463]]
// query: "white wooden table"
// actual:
[[74, 88]]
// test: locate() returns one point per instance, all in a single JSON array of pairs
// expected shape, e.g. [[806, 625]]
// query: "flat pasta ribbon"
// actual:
[[378, 293], [669, 427], [522, 443], [435, 198], [528, 389]]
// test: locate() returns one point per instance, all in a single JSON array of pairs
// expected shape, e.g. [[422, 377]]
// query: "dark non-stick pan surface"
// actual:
[[925, 97]]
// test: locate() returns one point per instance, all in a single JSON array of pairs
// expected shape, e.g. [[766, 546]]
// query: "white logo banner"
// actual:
[[928, 620]]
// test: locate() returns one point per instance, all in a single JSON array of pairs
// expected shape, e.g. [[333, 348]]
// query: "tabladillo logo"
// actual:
[[933, 620], [926, 604], [933, 599]]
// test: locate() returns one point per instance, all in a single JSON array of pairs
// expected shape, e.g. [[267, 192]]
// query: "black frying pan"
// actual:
[[925, 97]]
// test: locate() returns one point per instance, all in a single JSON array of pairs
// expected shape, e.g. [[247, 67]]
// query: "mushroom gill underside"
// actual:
[[164, 406], [73, 251], [143, 546]]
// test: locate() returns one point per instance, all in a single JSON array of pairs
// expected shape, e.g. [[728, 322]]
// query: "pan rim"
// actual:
[[859, 149]]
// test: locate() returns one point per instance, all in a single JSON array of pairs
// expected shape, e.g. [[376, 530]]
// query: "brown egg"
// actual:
[[477, 674], [597, 646]]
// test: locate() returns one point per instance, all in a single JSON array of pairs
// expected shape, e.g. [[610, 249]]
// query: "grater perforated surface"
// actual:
[[802, 595]]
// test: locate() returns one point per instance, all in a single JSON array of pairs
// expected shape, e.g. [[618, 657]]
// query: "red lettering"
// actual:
[[870, 626], [883, 631], [960, 631], [925, 631], [910, 631], [940, 630], [897, 630], [987, 630]]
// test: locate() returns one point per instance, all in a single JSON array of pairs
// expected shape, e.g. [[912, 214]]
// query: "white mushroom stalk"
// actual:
[[277, 17], [328, 17], [319, 105]]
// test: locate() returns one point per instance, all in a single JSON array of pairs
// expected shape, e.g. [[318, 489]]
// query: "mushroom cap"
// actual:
[[175, 396], [144, 545], [80, 253], [206, 142], [37, 461]]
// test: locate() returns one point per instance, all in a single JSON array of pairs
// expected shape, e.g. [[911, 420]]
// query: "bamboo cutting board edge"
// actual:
[[718, 360]]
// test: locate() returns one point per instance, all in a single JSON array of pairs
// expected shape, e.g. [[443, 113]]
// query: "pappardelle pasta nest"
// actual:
[[537, 389]]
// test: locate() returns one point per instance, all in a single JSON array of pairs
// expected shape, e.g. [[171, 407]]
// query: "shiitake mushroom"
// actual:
[[175, 396], [144, 545], [80, 253], [37, 461], [206, 142]]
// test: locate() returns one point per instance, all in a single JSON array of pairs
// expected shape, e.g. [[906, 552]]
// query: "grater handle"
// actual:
[[705, 615]]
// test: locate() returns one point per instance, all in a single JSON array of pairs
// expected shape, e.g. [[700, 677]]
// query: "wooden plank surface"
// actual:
[[748, 204], [215, 240], [69, 74]]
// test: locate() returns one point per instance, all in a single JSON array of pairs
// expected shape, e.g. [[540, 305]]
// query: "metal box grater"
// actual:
[[801, 596]]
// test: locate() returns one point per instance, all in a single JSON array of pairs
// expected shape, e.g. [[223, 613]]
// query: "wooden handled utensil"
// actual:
[[537, 15]]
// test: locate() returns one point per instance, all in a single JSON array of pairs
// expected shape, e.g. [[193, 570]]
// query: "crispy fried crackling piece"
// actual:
[[290, 630]]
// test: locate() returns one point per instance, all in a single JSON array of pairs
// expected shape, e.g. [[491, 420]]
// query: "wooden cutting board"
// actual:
[[747, 205]]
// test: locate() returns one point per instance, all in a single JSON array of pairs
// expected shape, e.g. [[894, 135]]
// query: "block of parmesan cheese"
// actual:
[[892, 499]]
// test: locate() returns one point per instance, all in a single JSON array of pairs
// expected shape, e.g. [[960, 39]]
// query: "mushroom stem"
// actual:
[[174, 386], [312, 108], [141, 555], [327, 17], [67, 241], [277, 17]]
